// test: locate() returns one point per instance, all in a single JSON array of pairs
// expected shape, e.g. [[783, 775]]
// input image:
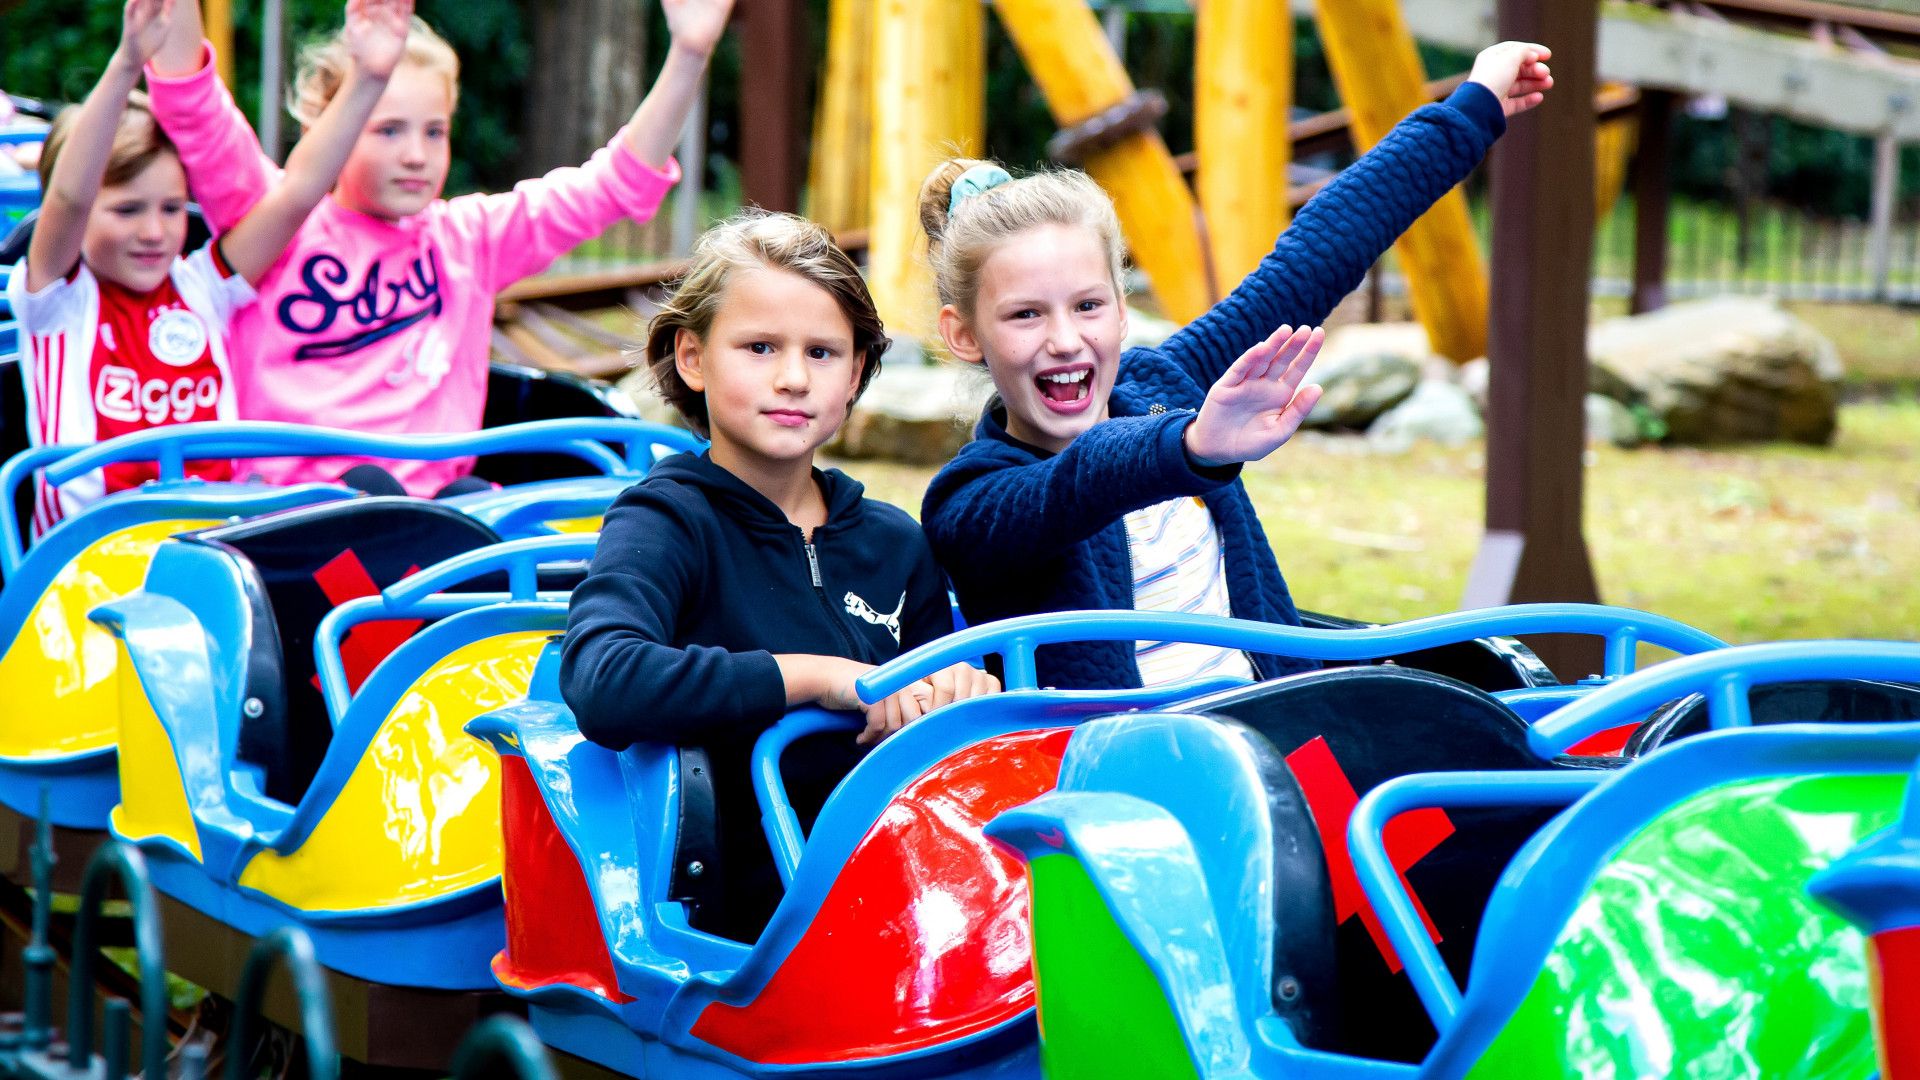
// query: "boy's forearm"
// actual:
[[655, 128], [83, 160]]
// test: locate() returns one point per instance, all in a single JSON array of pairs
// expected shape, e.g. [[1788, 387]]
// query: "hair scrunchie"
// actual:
[[975, 181]]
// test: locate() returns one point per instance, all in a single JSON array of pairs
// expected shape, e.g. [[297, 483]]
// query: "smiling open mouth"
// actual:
[[1066, 387]]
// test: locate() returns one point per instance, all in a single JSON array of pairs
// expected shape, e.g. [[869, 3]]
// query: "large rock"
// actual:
[[914, 412], [1609, 421], [1437, 410], [1732, 369], [1364, 370]]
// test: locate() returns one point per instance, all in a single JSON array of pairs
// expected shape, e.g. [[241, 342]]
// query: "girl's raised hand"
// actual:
[[143, 29], [696, 25], [1259, 403], [377, 34], [1516, 72]]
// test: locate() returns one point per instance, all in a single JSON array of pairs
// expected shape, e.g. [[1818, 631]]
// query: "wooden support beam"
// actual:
[[839, 169], [1652, 191], [923, 53], [217, 19], [1068, 56], [1533, 549], [1243, 92], [1377, 69], [774, 79]]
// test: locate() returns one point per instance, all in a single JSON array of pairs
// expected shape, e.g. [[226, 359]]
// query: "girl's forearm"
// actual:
[[316, 160], [182, 52], [655, 128]]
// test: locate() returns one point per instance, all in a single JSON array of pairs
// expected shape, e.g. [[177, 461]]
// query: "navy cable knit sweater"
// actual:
[[1021, 531]]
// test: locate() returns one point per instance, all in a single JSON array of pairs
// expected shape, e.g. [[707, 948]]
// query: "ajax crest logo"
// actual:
[[177, 337]]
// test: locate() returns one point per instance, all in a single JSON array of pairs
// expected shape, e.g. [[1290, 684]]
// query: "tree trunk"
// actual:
[[589, 59]]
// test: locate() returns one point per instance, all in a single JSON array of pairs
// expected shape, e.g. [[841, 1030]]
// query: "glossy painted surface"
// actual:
[[575, 525], [419, 816], [1697, 952], [1089, 975], [1895, 975], [553, 935], [153, 797], [923, 937], [57, 676]]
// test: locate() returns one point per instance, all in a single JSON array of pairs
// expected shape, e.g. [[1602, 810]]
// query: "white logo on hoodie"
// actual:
[[862, 610]]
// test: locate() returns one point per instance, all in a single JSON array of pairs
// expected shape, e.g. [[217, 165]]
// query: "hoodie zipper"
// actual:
[[820, 590]]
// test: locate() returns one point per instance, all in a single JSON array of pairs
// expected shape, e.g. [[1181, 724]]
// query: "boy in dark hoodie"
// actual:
[[733, 585]]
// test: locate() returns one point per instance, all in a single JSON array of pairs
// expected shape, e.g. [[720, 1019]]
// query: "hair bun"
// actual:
[[936, 195]]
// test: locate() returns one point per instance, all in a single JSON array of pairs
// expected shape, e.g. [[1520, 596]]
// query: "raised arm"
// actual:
[[377, 39], [527, 228], [77, 175], [983, 512], [227, 172], [1344, 230]]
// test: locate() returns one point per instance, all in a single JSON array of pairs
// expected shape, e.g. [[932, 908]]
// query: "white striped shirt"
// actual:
[[1178, 565]]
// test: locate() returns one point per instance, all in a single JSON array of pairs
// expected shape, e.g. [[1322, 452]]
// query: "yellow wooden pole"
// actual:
[[1378, 73], [217, 16], [920, 55], [1077, 71], [1613, 144], [1243, 91], [838, 172]]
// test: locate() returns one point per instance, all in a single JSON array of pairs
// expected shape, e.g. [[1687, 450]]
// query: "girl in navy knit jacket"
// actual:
[[1097, 480]]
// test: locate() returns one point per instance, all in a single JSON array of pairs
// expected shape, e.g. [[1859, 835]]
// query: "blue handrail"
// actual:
[[777, 818], [1724, 677], [1015, 640], [415, 597]]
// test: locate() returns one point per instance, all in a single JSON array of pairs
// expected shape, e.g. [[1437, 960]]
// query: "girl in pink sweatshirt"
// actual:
[[379, 316]]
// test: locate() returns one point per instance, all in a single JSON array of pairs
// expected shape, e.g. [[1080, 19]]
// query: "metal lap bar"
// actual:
[[1014, 640], [1373, 866]]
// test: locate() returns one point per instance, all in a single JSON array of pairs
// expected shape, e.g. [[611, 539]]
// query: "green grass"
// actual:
[[1753, 544]]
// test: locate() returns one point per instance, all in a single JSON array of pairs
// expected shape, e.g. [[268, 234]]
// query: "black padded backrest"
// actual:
[[306, 562], [13, 246], [516, 395], [1306, 969], [1491, 664], [1859, 701], [699, 874], [1344, 731], [13, 434]]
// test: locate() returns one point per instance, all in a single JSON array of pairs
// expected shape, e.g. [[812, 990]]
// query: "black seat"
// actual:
[[1839, 701], [13, 434], [300, 565], [517, 395], [1492, 664], [1342, 732]]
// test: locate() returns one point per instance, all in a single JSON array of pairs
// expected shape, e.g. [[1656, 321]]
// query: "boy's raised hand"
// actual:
[[1516, 72], [143, 29], [696, 25], [1259, 403], [376, 34]]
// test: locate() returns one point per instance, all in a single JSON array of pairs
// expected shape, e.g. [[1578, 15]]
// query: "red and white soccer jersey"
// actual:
[[100, 361]]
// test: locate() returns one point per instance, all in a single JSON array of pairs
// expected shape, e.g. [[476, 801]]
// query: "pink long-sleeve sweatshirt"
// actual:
[[383, 326]]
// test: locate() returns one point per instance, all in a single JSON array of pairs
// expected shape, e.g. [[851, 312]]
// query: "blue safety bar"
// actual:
[[1014, 640], [174, 445], [777, 818], [1723, 678], [415, 597]]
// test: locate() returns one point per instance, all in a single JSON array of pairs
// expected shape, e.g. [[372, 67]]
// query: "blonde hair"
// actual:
[[137, 141], [324, 65], [959, 240], [749, 239]]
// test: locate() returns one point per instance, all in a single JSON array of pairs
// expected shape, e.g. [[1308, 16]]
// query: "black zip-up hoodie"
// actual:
[[697, 582]]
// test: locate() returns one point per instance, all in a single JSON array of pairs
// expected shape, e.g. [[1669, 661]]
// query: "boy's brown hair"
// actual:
[[778, 242], [136, 142]]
